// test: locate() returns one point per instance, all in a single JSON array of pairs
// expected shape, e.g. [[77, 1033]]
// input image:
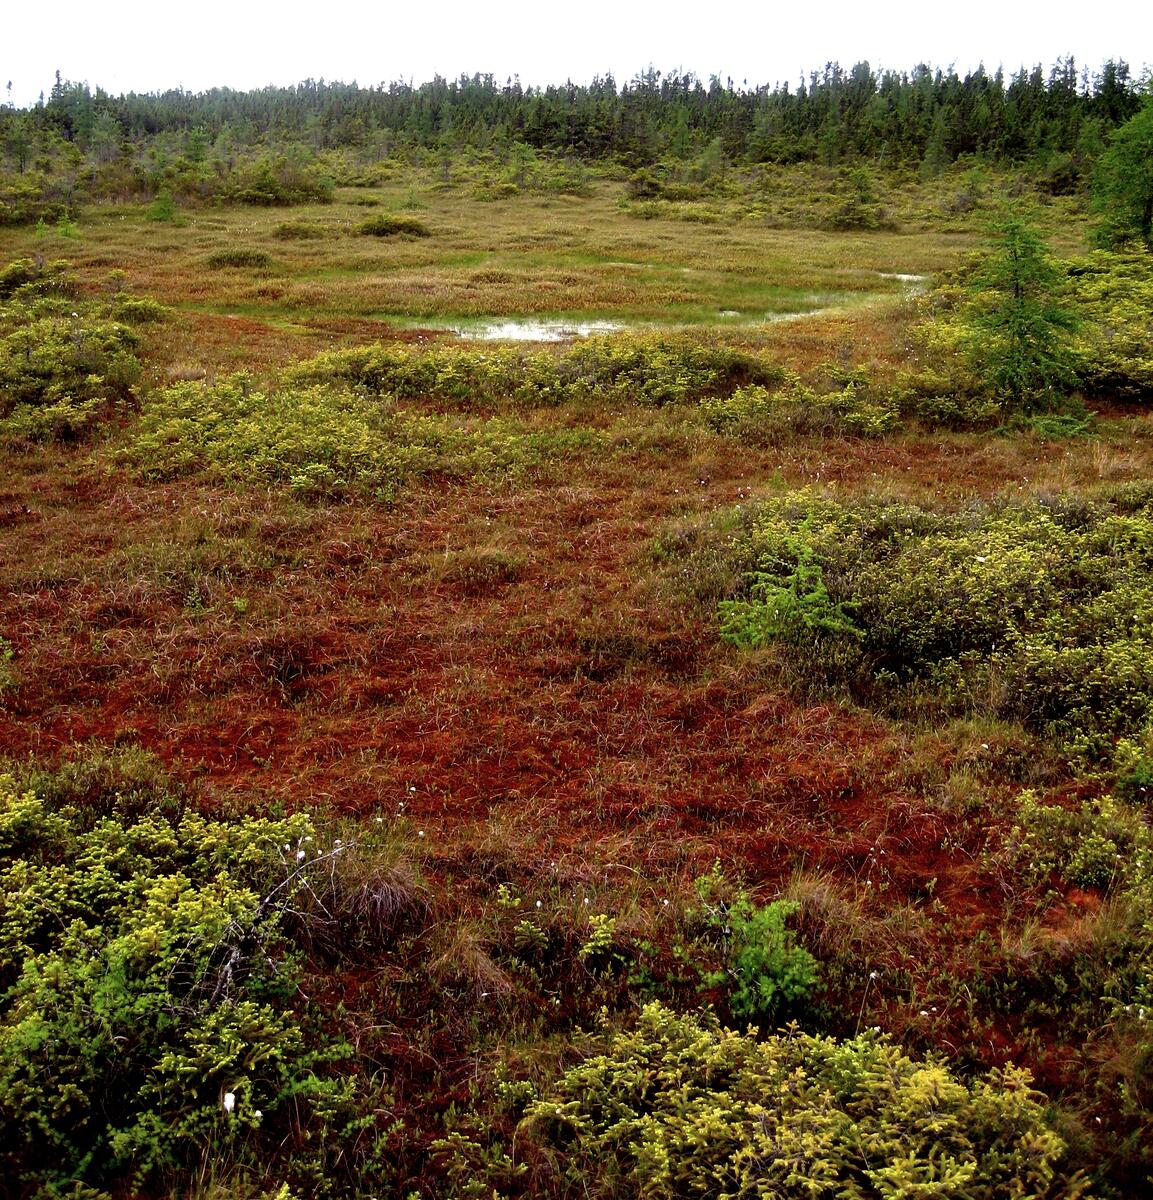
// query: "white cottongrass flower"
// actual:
[[228, 1103]]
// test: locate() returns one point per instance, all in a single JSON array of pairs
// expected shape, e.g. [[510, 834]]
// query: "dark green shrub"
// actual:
[[277, 181], [240, 258], [394, 225], [27, 278], [288, 231], [1019, 340], [140, 310], [765, 975], [163, 208]]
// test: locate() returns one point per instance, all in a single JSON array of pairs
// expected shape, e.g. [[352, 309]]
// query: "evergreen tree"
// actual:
[[1123, 181], [1019, 340]]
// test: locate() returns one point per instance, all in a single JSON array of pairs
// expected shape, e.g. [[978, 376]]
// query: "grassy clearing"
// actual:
[[457, 605]]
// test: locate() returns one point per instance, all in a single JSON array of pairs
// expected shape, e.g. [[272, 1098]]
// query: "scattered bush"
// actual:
[[647, 369], [679, 1107], [319, 441], [240, 258], [1038, 611], [394, 225]]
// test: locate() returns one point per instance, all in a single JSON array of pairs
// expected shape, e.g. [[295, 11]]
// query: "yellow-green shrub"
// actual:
[[1041, 611], [62, 358], [318, 440], [679, 1107], [761, 415], [648, 369], [1113, 293], [149, 1006]]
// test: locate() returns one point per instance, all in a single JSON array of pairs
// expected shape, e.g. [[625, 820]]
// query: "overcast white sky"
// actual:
[[132, 45]]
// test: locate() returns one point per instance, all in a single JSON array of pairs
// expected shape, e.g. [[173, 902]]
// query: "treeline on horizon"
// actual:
[[924, 116]]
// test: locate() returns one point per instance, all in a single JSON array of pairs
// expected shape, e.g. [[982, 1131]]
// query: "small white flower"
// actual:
[[380, 820], [872, 974], [257, 1114], [300, 856], [229, 1101], [420, 833], [412, 789], [538, 904]]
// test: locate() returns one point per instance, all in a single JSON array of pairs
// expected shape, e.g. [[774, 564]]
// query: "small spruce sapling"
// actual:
[[1018, 334]]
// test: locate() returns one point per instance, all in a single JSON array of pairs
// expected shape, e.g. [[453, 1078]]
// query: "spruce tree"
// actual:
[[1019, 340]]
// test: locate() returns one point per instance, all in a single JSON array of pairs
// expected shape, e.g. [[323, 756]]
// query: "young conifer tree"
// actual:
[[1019, 341]]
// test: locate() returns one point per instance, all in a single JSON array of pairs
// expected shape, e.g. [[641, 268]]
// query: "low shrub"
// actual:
[[63, 358], [679, 1107], [320, 441], [394, 225], [288, 231], [760, 415], [765, 974], [1113, 292], [239, 258], [150, 1012], [1037, 611], [646, 369]]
